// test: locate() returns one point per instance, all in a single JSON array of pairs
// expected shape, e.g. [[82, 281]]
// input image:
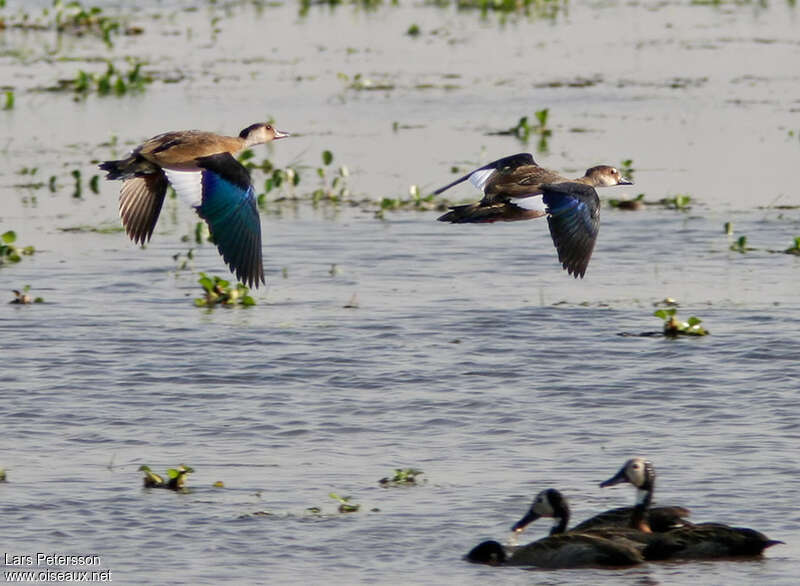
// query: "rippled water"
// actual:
[[470, 355]]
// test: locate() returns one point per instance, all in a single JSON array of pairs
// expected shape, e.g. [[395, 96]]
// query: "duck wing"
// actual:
[[140, 202], [222, 194], [576, 550], [478, 177], [574, 220], [660, 519], [712, 540]]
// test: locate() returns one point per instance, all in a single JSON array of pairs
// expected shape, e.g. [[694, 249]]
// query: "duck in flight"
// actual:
[[202, 168], [516, 188]]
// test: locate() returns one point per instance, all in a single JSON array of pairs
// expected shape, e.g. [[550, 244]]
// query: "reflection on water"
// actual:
[[470, 355]]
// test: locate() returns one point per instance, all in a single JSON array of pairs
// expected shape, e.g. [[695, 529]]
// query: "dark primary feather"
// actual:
[[509, 162], [140, 202], [574, 219]]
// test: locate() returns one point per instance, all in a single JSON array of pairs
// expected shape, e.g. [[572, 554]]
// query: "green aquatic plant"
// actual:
[[3, 477], [674, 327], [413, 30], [305, 5], [637, 203], [219, 291], [176, 477], [9, 101], [414, 201], [345, 506], [626, 169], [741, 245], [359, 82], [794, 248], [201, 233], [727, 227], [334, 182], [151, 479], [71, 18], [677, 202], [539, 8], [524, 129], [402, 477], [78, 191], [24, 297], [9, 252], [112, 81], [184, 261]]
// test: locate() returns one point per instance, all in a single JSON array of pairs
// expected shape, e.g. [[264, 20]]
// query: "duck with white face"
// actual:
[[699, 541], [560, 549]]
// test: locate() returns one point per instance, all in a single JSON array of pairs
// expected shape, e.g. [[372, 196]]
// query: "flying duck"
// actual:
[[516, 188], [700, 541], [202, 168]]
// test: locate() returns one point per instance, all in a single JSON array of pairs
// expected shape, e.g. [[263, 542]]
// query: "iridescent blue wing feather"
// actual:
[[229, 207], [481, 175], [574, 220]]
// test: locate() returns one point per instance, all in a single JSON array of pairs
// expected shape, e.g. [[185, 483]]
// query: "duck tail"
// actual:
[[116, 169], [468, 214], [127, 168]]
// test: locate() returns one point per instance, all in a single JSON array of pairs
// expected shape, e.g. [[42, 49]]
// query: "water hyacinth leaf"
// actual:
[[327, 157], [664, 313], [9, 237]]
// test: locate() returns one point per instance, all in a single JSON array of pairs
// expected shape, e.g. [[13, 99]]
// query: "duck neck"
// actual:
[[249, 141], [644, 497], [561, 517], [586, 180]]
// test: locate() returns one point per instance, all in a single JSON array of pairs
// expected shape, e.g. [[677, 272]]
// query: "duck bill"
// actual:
[[618, 478], [280, 134], [624, 181], [529, 517]]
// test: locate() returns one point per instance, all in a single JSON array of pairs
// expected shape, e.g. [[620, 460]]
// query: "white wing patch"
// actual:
[[480, 177], [188, 185], [534, 203]]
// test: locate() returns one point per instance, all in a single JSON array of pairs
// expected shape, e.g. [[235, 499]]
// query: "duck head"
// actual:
[[642, 475], [637, 471], [606, 176], [260, 133], [548, 503]]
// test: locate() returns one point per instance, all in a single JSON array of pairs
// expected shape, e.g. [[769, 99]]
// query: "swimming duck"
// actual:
[[551, 503], [202, 168], [560, 549], [700, 541], [516, 188]]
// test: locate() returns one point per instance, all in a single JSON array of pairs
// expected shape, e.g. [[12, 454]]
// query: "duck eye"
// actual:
[[268, 127]]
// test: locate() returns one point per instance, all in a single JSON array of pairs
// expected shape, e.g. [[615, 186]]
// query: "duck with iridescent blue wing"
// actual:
[[516, 188], [202, 168]]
